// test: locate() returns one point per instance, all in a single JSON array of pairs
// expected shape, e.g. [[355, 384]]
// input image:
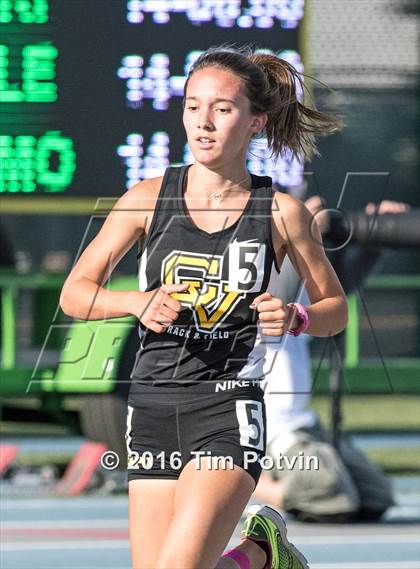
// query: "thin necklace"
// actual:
[[217, 195]]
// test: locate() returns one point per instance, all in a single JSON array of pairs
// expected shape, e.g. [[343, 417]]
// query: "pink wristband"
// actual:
[[304, 318], [240, 558]]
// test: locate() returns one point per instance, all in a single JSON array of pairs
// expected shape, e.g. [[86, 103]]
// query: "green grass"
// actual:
[[374, 413], [379, 413], [396, 461], [23, 429], [42, 458]]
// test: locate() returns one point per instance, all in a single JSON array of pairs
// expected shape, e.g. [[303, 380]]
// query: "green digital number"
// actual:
[[24, 11], [38, 75], [25, 163]]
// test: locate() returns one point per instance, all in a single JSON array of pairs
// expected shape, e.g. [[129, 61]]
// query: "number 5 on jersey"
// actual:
[[246, 265], [251, 424]]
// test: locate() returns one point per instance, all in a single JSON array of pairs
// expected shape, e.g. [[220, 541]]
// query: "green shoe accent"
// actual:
[[266, 524]]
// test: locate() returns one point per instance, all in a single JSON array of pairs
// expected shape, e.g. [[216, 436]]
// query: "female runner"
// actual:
[[213, 237]]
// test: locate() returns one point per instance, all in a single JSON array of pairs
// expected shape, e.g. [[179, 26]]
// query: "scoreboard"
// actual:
[[91, 90]]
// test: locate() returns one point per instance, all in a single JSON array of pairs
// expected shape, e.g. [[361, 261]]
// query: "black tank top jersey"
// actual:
[[215, 338]]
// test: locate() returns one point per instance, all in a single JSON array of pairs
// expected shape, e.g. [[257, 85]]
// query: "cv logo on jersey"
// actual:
[[210, 297]]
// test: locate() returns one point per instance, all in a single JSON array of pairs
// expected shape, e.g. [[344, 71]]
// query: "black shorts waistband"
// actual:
[[182, 393]]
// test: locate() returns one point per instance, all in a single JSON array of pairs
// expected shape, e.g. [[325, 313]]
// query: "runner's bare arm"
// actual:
[[83, 295], [300, 238]]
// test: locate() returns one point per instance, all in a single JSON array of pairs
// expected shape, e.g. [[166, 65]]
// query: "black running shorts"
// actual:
[[167, 428]]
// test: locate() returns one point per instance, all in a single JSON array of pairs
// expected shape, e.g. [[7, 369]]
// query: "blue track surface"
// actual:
[[91, 533]]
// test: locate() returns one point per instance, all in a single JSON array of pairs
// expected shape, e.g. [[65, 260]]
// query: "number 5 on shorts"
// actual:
[[251, 425]]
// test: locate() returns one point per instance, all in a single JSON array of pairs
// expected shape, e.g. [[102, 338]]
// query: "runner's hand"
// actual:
[[274, 316], [158, 309]]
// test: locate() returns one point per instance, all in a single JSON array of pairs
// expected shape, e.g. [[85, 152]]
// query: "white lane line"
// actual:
[[66, 503], [54, 524], [71, 545]]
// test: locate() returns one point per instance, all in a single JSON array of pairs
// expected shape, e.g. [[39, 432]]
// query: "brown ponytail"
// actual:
[[291, 124], [272, 86]]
